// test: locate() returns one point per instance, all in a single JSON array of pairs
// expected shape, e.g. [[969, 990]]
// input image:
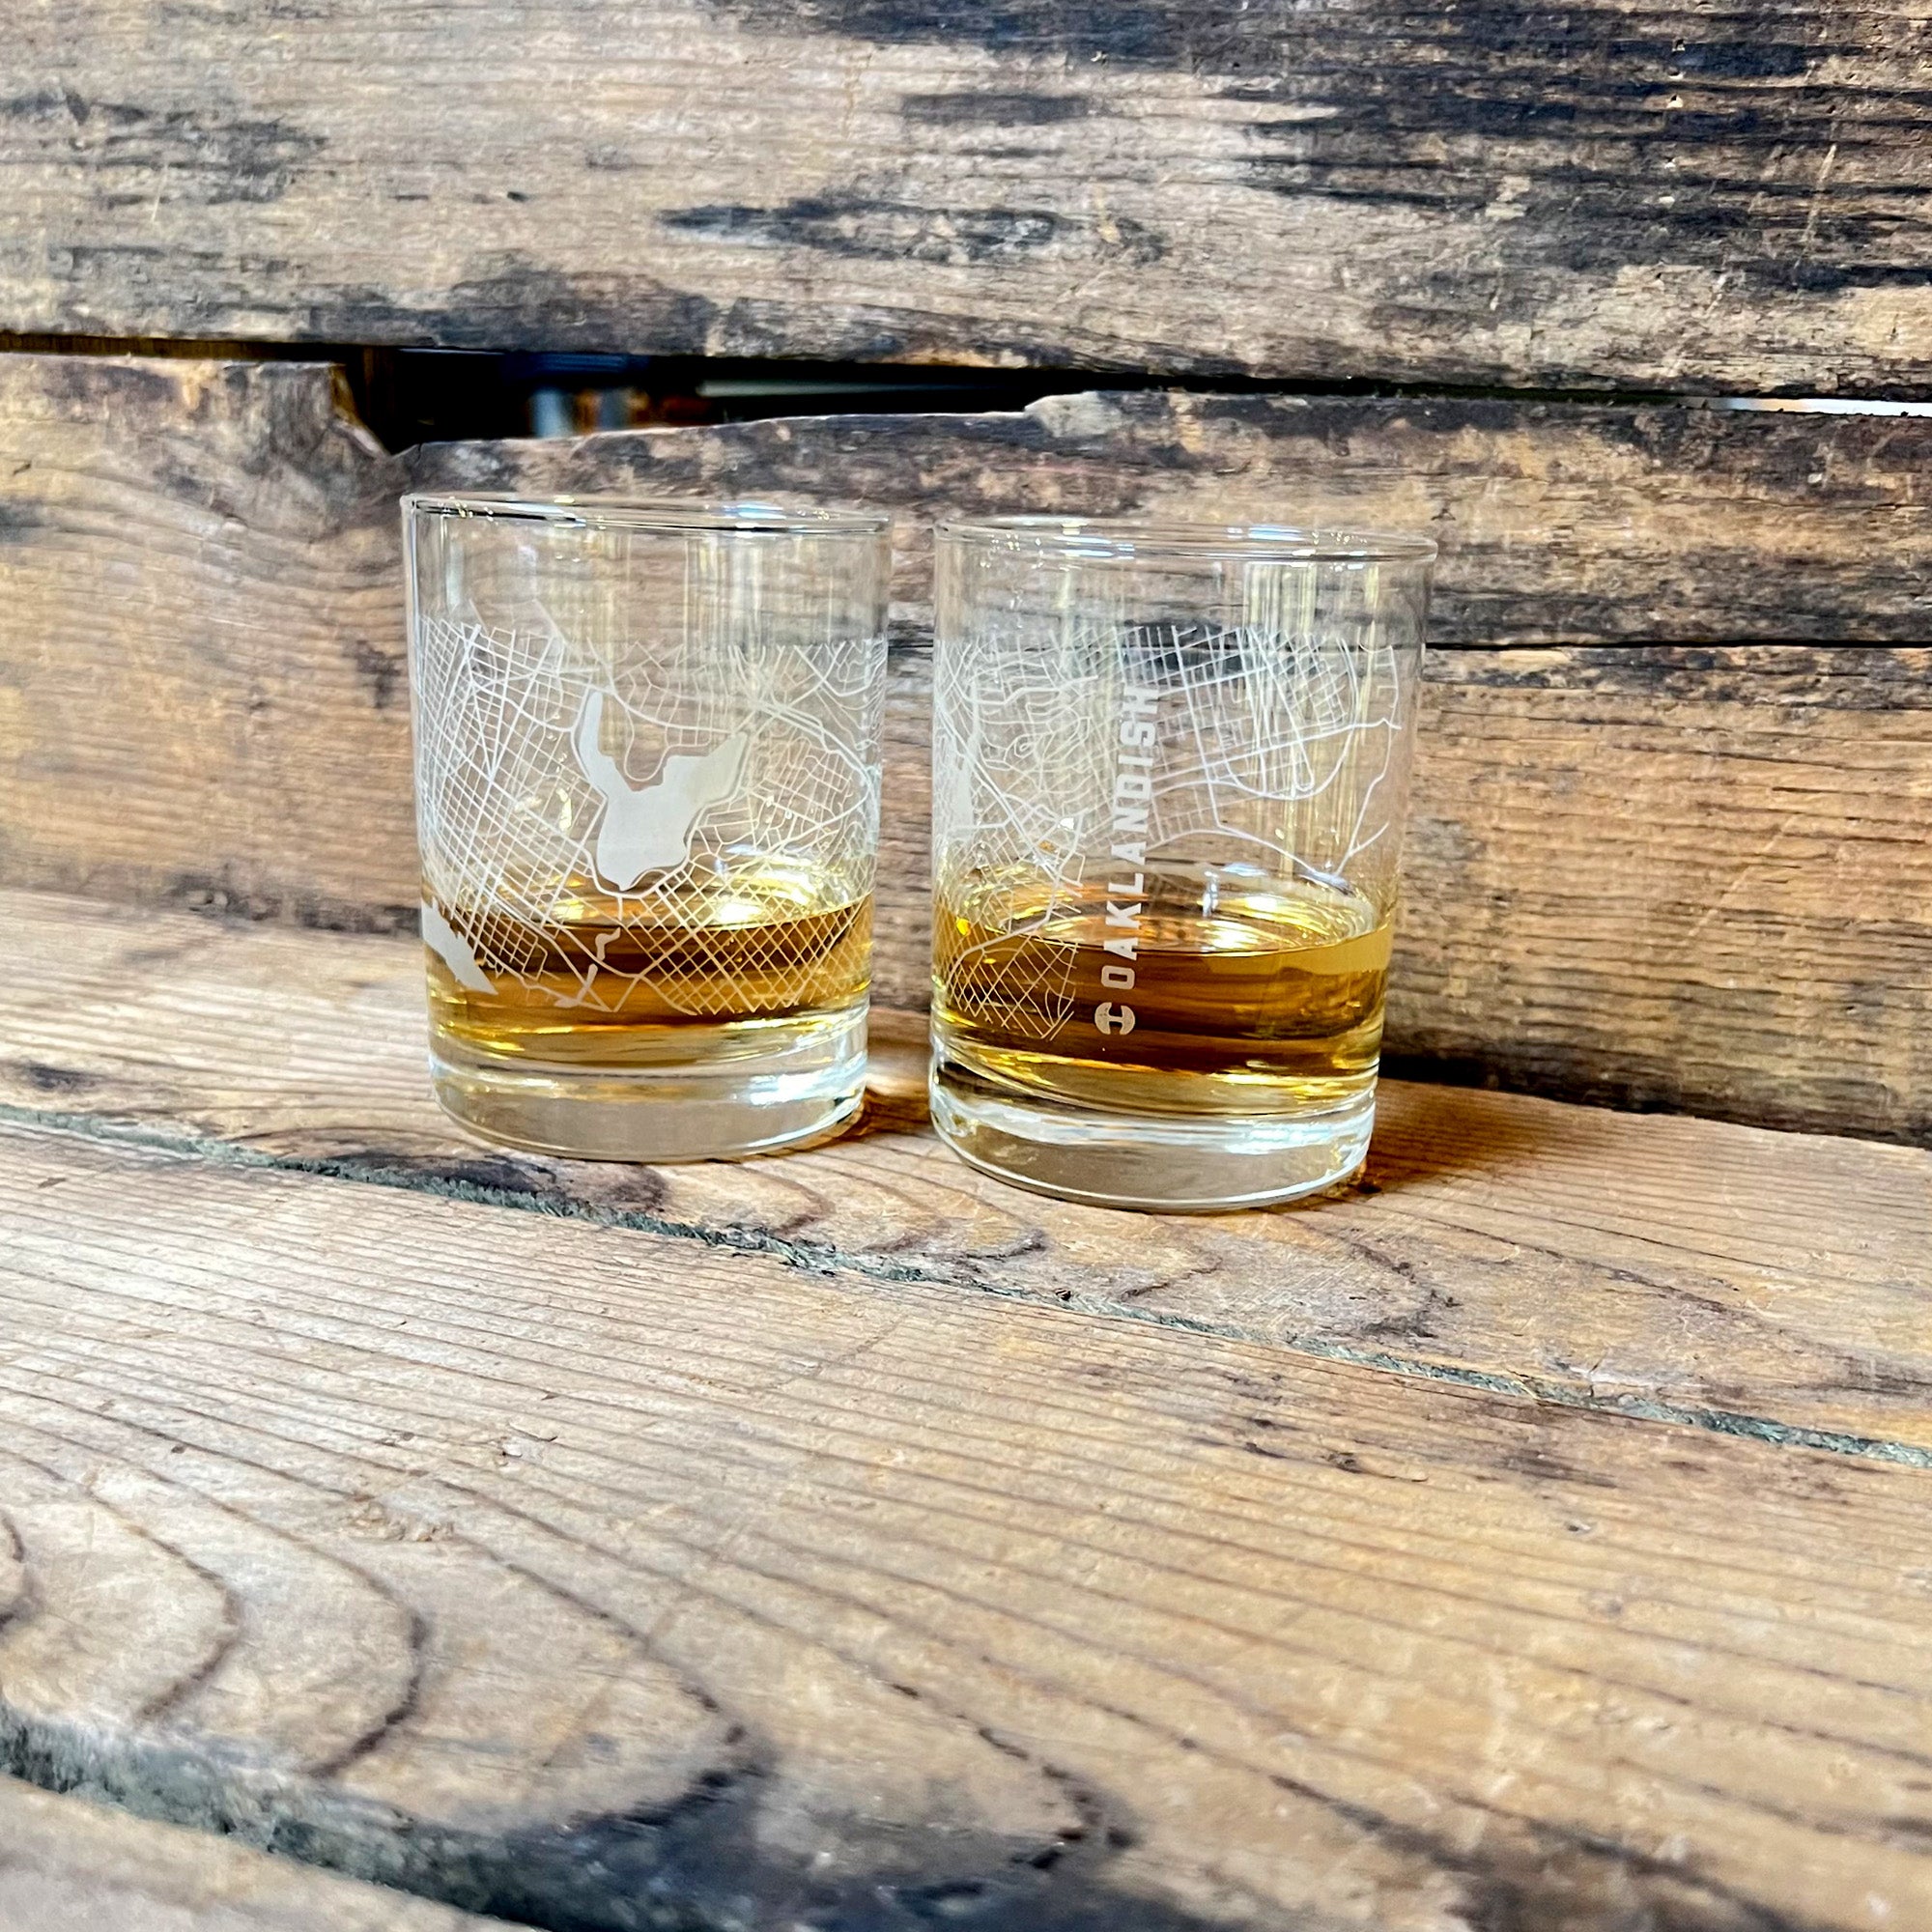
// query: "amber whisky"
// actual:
[[1175, 991]]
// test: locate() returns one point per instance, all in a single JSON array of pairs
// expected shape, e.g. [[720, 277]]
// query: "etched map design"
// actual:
[[652, 786], [1273, 751]]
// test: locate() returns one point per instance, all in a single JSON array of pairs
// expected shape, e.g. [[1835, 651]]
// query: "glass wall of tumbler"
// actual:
[[647, 771], [1170, 772]]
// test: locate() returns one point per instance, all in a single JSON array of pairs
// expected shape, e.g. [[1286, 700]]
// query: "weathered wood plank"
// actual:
[[1559, 523], [726, 1592], [1672, 875], [1677, 879], [1764, 1282], [1645, 193], [80, 1867], [199, 594]]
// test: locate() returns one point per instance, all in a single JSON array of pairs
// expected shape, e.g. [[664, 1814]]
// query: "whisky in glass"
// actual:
[[647, 772], [1170, 767]]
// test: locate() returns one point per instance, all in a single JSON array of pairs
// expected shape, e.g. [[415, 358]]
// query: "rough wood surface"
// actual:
[[1672, 874], [202, 689], [67, 1865], [1559, 523], [1747, 1282], [608, 1579], [1677, 879], [1636, 192]]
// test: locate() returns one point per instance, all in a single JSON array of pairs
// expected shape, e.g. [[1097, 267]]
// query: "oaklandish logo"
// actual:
[[1133, 792]]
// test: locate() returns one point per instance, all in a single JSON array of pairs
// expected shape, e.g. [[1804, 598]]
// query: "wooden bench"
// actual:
[[397, 1533]]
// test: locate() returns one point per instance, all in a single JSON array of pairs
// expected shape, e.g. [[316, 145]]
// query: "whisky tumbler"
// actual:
[[1170, 765], [647, 790]]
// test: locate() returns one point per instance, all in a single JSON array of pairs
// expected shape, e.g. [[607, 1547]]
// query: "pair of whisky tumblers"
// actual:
[[1168, 772]]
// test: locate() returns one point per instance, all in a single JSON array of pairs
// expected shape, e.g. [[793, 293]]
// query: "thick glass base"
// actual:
[[805, 1088], [1173, 1163]]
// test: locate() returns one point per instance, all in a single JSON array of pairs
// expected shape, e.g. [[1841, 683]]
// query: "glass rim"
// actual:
[[1124, 537], [671, 515]]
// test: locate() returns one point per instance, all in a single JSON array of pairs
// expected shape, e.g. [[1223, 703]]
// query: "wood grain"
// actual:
[[1663, 874], [1650, 195], [1677, 879], [607, 1580], [1749, 1282], [80, 1867], [1558, 522], [203, 688]]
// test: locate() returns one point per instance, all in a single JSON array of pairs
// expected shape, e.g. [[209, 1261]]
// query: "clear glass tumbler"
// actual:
[[647, 786], [1170, 766]]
